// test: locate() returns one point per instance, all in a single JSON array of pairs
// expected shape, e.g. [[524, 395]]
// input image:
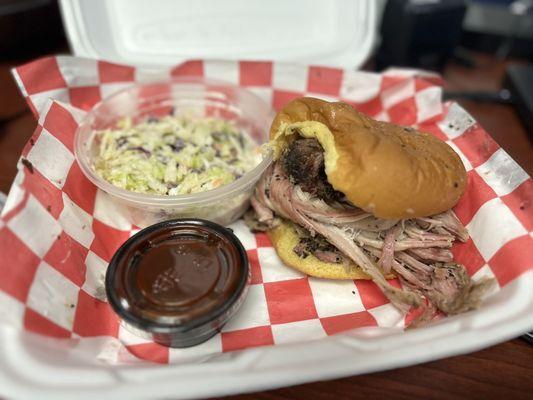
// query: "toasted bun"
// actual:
[[284, 237], [388, 170]]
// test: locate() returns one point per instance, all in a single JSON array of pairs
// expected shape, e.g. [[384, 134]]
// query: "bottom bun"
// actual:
[[284, 238]]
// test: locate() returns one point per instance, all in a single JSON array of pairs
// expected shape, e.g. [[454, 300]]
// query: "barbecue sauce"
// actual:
[[178, 276]]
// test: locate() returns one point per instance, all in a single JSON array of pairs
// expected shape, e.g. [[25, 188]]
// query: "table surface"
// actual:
[[501, 371]]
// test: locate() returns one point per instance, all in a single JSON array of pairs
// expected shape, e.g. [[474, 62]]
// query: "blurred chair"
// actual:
[[419, 33]]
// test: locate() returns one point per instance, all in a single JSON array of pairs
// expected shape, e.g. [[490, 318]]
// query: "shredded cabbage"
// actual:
[[174, 155]]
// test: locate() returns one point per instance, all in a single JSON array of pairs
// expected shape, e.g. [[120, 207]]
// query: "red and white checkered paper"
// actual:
[[58, 232]]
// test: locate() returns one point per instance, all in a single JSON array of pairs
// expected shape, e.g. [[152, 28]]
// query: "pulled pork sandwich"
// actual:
[[349, 197]]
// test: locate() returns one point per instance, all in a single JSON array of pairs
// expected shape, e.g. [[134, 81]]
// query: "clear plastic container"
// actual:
[[195, 97]]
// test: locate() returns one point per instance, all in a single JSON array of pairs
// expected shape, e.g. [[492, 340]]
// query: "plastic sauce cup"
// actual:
[[178, 282]]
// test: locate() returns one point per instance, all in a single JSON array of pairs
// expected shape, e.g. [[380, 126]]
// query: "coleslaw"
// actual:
[[174, 155]]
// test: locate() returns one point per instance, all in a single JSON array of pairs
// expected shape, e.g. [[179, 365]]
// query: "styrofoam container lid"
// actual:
[[337, 33]]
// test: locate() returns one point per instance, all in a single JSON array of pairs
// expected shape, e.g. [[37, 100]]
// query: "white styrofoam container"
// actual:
[[164, 32], [37, 367], [336, 33]]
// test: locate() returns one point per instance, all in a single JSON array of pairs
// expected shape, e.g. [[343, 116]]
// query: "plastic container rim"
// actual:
[[158, 327], [209, 196]]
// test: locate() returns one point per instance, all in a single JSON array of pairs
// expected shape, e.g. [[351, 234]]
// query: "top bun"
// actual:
[[388, 170]]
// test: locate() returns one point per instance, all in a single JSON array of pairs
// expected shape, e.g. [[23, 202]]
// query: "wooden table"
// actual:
[[503, 371]]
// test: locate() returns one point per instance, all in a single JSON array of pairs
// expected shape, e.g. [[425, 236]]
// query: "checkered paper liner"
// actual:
[[58, 232]]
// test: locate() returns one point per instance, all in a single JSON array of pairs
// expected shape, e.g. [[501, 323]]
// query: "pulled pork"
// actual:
[[417, 250], [304, 163], [319, 247]]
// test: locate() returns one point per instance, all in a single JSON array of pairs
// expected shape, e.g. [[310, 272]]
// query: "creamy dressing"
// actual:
[[174, 155]]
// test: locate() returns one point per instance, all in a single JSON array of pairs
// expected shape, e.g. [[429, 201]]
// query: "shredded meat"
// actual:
[[432, 254], [303, 162], [264, 213], [262, 217], [333, 230], [253, 223], [320, 248], [387, 255], [328, 256], [449, 222], [282, 194]]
